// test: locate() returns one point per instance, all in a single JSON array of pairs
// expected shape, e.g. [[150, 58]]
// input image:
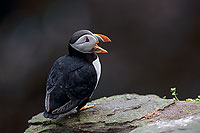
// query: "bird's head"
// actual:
[[85, 41]]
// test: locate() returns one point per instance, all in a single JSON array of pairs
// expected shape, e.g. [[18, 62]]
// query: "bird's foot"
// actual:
[[87, 107]]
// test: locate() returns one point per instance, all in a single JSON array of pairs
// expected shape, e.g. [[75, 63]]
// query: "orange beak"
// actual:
[[101, 38]]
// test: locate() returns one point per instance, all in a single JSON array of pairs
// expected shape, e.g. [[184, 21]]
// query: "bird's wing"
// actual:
[[67, 88]]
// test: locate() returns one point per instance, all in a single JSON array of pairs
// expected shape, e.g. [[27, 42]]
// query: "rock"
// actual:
[[183, 116], [125, 113], [110, 114], [190, 124]]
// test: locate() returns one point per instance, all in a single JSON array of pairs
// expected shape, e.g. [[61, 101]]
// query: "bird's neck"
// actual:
[[90, 57]]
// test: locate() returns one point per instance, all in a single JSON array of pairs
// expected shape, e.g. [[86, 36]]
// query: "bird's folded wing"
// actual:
[[65, 89]]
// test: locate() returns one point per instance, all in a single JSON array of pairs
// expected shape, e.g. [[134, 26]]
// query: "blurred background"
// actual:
[[155, 46]]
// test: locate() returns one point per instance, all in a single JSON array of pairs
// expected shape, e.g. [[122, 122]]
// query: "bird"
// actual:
[[74, 77]]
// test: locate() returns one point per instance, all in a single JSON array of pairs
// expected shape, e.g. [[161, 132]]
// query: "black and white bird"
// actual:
[[74, 77]]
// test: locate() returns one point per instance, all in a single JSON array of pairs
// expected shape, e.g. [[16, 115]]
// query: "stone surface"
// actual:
[[190, 124], [181, 117], [121, 113], [126, 113]]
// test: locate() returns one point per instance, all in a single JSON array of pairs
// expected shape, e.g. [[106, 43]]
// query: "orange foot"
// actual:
[[86, 107]]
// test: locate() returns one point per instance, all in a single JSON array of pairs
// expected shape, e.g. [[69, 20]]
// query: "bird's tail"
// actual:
[[49, 115]]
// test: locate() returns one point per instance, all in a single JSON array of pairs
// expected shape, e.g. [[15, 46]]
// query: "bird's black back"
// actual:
[[72, 77]]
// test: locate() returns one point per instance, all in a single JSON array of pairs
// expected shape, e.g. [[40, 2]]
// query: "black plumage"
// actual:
[[71, 82]]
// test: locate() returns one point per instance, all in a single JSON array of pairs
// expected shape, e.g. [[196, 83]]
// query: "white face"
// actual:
[[85, 43]]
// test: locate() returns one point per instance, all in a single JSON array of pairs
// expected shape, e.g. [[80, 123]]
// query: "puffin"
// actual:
[[74, 77]]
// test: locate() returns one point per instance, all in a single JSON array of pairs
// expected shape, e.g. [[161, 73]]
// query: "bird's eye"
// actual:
[[87, 40]]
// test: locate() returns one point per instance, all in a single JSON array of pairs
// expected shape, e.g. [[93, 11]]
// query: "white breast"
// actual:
[[97, 66]]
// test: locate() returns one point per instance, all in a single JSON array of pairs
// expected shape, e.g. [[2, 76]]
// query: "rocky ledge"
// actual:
[[125, 113]]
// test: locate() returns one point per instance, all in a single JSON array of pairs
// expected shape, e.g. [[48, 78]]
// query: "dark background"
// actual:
[[155, 46]]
